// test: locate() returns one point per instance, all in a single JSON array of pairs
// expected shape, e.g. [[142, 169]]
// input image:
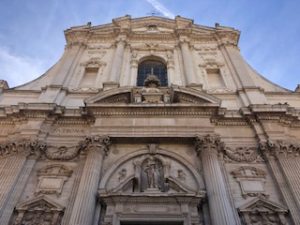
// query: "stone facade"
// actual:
[[85, 145]]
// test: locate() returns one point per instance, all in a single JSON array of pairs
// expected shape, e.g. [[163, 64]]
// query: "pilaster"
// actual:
[[20, 169], [283, 160], [118, 59], [187, 61]]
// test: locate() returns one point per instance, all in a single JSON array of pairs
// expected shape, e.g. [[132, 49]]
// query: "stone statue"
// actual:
[[152, 173]]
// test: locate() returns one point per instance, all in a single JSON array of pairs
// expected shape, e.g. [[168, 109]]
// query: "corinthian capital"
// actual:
[[96, 143], [211, 143], [26, 147], [279, 148]]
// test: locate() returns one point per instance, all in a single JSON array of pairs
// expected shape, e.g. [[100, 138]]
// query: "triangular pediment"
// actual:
[[173, 95], [40, 203], [262, 205]]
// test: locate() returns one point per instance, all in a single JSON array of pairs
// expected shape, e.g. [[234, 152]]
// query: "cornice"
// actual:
[[125, 25], [281, 113], [151, 110]]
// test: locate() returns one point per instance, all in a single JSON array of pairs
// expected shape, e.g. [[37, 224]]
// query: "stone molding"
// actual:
[[279, 148]]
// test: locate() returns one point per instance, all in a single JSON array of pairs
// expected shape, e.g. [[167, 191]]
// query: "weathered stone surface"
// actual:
[[85, 145]]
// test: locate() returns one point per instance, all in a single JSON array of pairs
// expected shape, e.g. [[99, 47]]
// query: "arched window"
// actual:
[[153, 67]]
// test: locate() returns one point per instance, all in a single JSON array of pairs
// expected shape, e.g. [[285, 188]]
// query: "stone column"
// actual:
[[187, 62], [221, 211], [118, 60], [85, 202]]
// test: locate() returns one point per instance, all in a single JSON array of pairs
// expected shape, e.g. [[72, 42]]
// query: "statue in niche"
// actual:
[[152, 175]]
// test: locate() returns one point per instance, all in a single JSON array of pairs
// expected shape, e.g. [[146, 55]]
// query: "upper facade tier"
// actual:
[[125, 52]]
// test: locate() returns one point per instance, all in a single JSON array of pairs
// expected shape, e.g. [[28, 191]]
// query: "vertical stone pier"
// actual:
[[84, 206], [187, 61], [221, 211], [118, 60]]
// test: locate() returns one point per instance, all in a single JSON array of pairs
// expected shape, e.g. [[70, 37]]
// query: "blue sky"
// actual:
[[32, 40]]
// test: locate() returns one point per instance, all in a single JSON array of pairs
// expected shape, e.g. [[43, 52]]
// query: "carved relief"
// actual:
[[261, 211], [251, 181], [153, 173], [51, 179], [62, 152], [181, 175], [40, 210], [122, 174], [241, 154]]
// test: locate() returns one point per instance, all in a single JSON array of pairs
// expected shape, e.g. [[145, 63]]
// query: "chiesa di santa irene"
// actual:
[[150, 121]]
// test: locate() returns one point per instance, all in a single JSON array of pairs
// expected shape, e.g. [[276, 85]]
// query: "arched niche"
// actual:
[[173, 174]]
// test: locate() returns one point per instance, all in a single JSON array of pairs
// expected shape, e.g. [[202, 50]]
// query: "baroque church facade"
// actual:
[[149, 121]]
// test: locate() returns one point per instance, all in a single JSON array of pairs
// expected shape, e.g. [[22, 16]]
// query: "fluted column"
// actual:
[[85, 202], [187, 62], [221, 211], [118, 60]]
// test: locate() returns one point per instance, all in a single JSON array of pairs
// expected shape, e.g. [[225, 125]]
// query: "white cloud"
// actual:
[[161, 8], [16, 69]]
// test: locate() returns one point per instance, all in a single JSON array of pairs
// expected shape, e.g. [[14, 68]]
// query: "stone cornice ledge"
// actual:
[[153, 110], [283, 109], [38, 110]]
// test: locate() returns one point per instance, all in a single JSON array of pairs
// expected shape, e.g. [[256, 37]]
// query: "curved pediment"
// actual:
[[144, 95]]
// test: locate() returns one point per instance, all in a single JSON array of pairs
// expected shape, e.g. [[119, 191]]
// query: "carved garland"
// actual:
[[37, 148], [240, 154]]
